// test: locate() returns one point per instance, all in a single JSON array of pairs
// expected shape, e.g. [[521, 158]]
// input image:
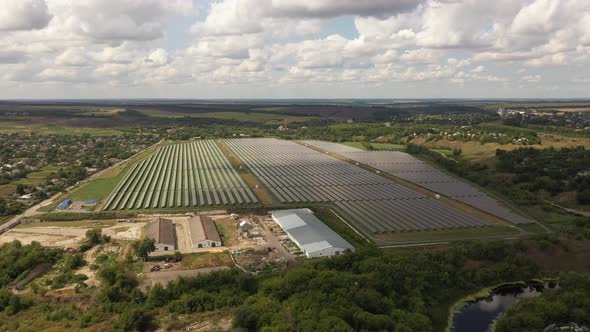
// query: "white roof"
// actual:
[[310, 232]]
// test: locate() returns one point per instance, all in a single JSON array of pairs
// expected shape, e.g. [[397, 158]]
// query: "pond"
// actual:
[[478, 316]]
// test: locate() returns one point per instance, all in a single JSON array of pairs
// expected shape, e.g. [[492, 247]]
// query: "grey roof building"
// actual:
[[163, 233], [310, 234], [203, 233]]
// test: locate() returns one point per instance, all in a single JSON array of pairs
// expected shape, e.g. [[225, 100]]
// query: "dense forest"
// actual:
[[551, 170], [524, 174], [367, 290]]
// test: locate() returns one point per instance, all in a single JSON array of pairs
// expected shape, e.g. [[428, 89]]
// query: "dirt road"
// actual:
[[164, 277], [273, 242]]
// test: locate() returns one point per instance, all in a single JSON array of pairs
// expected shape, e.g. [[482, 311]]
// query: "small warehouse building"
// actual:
[[245, 226], [64, 205], [163, 233], [91, 201], [203, 233], [310, 234]]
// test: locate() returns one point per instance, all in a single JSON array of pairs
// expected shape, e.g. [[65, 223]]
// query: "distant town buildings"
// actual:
[[577, 120]]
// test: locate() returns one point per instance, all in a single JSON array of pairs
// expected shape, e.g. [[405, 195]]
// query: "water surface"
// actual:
[[478, 316]]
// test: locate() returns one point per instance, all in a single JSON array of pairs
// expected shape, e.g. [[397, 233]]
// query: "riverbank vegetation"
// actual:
[[570, 303]]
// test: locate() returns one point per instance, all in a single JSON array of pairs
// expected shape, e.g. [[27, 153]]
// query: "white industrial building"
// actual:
[[310, 234], [203, 233]]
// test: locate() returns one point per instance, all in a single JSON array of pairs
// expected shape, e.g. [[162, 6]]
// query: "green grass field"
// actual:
[[98, 189], [377, 146], [102, 112], [81, 224], [533, 228], [209, 259], [18, 127], [265, 118], [387, 146], [452, 234]]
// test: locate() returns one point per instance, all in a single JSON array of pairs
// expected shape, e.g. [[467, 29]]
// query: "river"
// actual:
[[479, 315]]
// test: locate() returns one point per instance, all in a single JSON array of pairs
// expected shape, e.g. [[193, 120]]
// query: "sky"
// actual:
[[202, 49]]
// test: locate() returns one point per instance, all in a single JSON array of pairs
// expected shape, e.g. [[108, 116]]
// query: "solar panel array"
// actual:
[[296, 174], [407, 167], [181, 175]]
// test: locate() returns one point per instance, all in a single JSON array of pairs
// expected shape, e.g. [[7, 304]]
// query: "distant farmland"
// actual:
[[181, 175]]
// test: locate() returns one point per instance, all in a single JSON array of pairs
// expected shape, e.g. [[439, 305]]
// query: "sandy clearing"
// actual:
[[125, 231], [47, 236], [69, 237]]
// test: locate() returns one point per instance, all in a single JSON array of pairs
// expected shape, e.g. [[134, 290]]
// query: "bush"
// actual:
[[583, 197], [134, 319], [61, 314], [73, 262]]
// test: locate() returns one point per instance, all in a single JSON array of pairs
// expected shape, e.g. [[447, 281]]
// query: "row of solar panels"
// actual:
[[193, 174], [405, 215], [342, 193], [375, 202], [409, 168]]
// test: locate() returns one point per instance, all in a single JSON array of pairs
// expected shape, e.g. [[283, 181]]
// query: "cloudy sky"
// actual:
[[294, 48]]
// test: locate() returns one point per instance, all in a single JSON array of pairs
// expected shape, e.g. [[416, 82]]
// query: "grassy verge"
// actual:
[[227, 231], [389, 146], [376, 146], [206, 259], [451, 234], [264, 196], [86, 223], [533, 228], [64, 216], [337, 225], [5, 219]]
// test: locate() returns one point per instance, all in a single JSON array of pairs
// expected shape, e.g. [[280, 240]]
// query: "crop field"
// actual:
[[181, 175], [11, 127], [409, 168], [296, 174], [260, 117]]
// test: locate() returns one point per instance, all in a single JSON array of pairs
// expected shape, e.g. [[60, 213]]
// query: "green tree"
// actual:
[[584, 197], [135, 319], [143, 248], [367, 146], [246, 317], [177, 256], [94, 236], [20, 189]]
